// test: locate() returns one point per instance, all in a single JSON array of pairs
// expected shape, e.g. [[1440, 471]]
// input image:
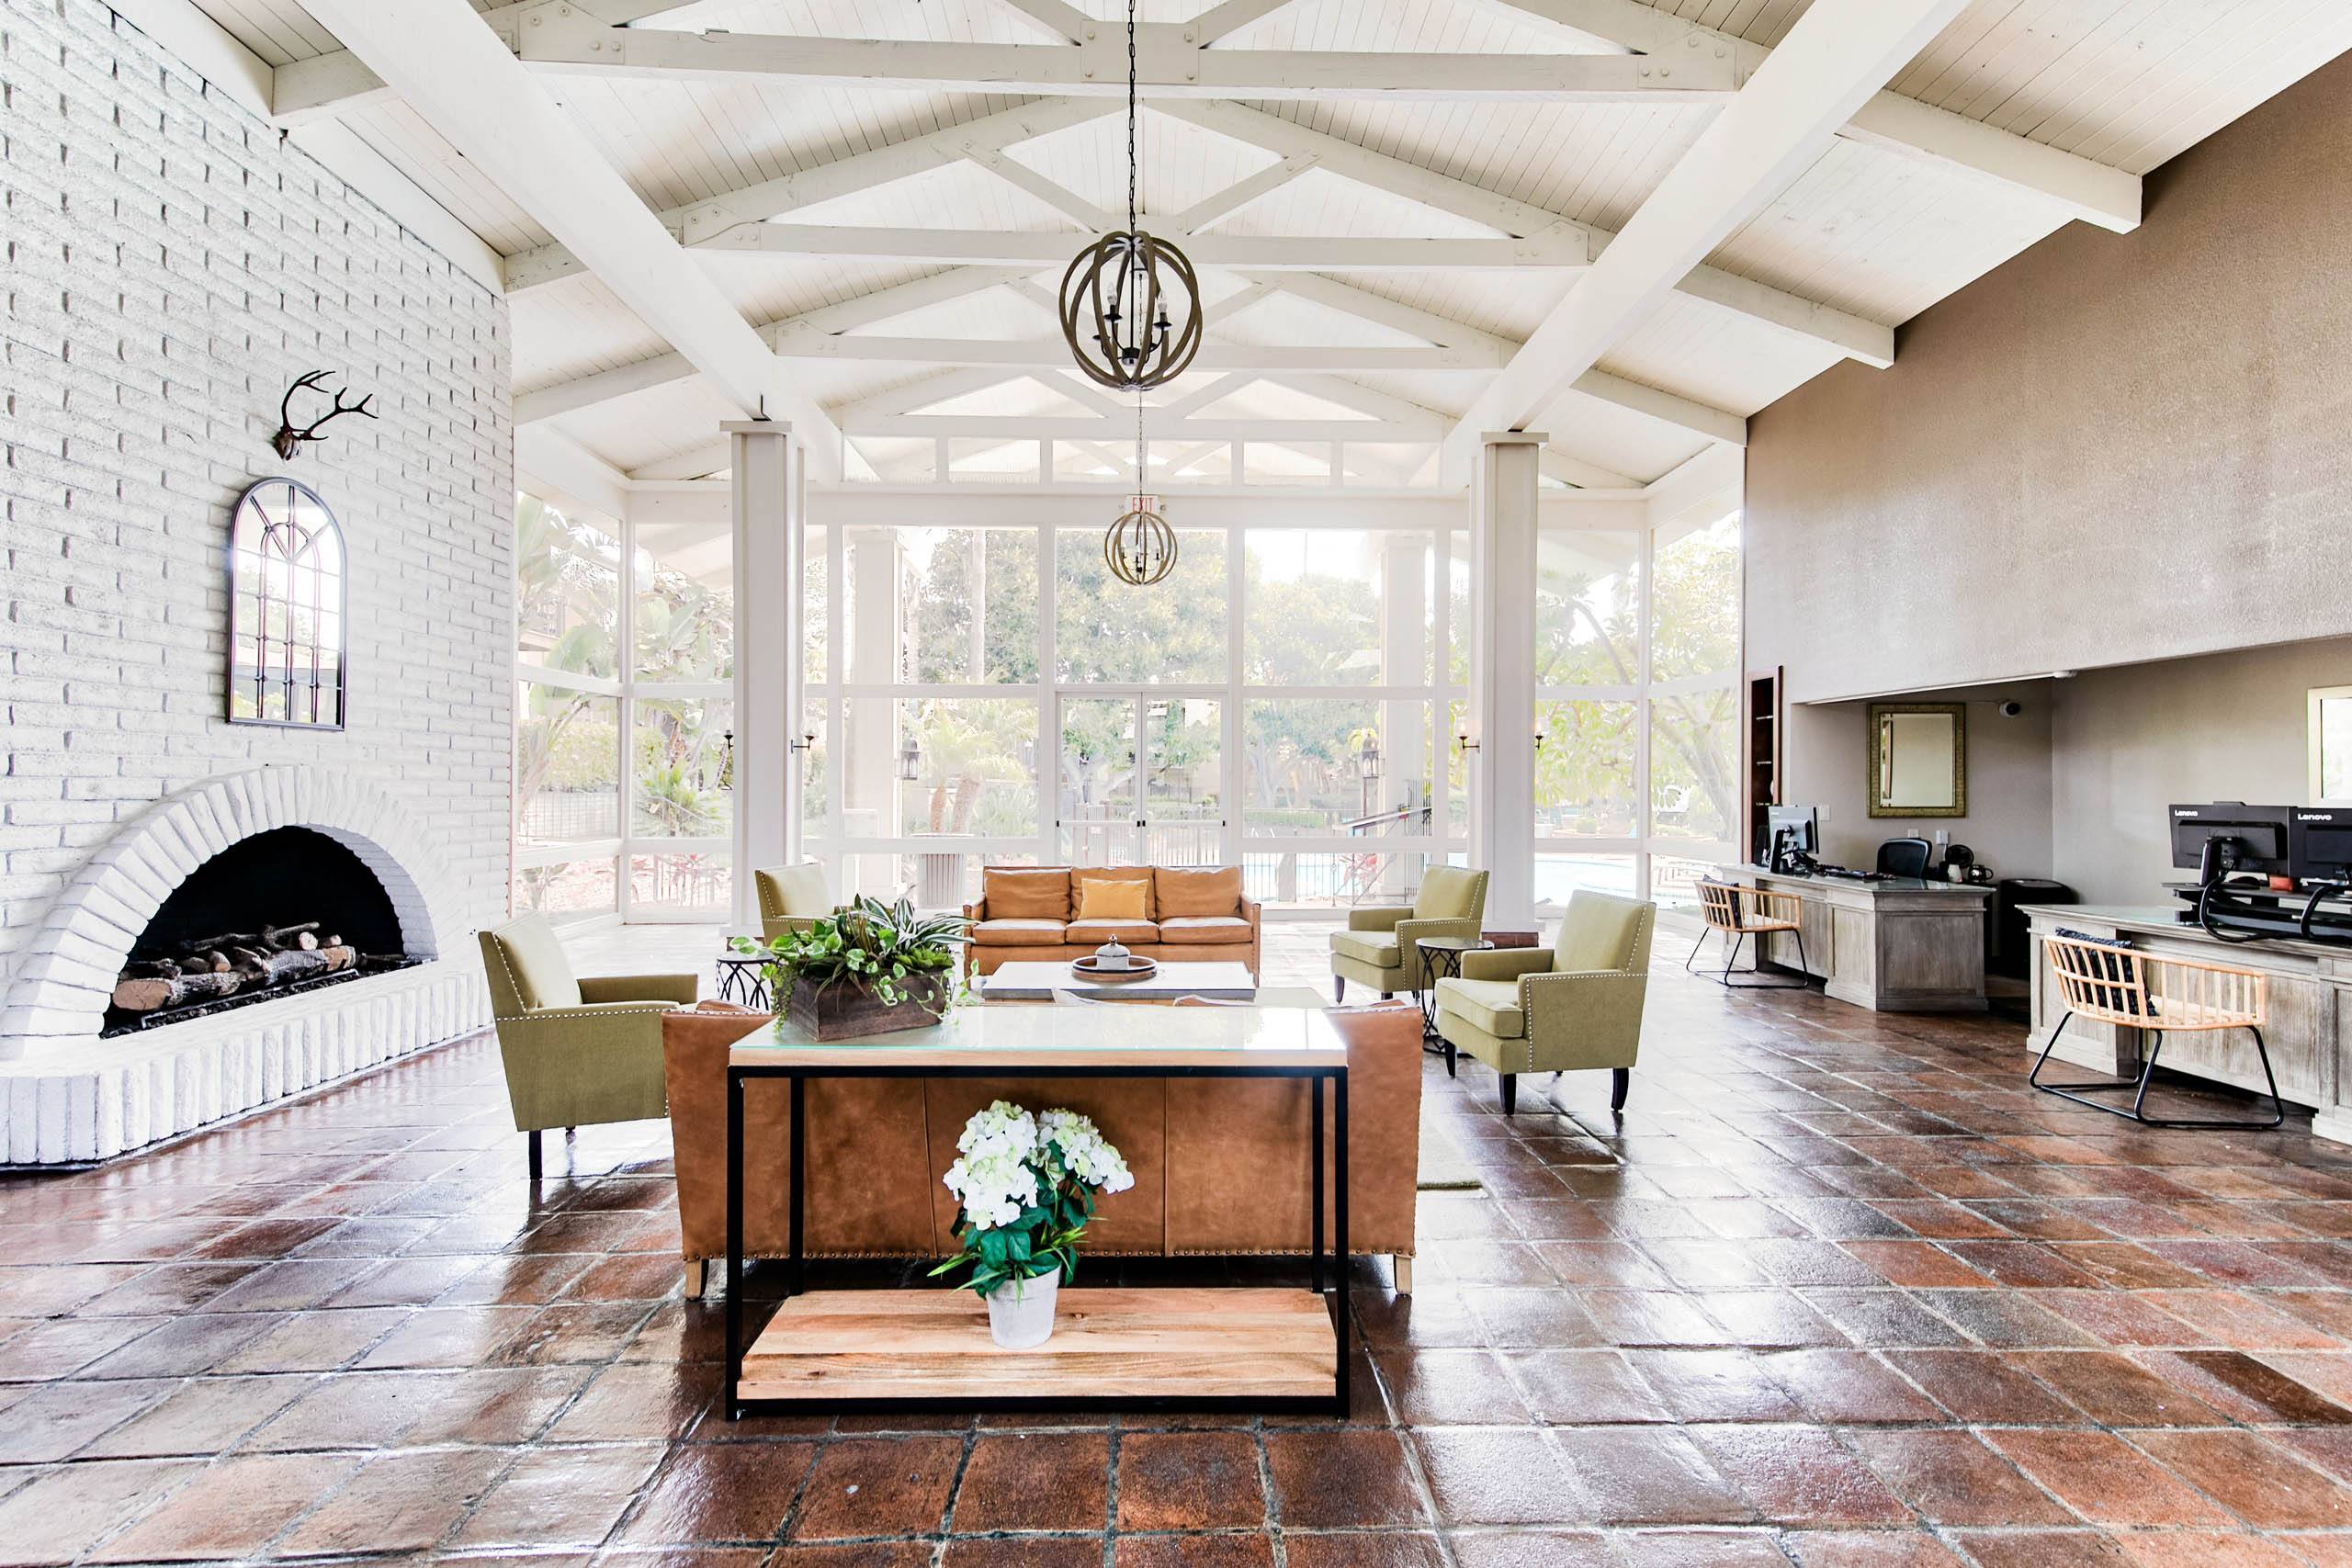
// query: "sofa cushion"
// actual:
[[1094, 933], [1197, 892], [535, 962], [1021, 893], [1142, 874], [1492, 1005], [1018, 933], [1195, 930], [1102, 899], [1376, 948]]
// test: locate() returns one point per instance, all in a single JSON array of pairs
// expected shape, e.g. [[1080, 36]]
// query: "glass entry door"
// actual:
[[1141, 780]]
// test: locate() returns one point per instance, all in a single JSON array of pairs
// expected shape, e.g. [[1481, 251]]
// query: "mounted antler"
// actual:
[[288, 440]]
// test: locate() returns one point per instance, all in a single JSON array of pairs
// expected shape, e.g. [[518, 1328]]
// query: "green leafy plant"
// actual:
[[887, 949], [1024, 1189]]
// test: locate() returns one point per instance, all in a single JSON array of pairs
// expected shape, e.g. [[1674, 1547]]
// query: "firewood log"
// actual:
[[148, 996]]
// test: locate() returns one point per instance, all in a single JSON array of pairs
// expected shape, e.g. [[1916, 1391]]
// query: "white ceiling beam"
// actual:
[[1224, 386], [1378, 308], [914, 395], [994, 247], [1576, 471], [695, 462], [1715, 424], [1851, 336], [454, 72], [1838, 53], [1060, 198], [1053, 18], [824, 182], [1048, 354], [1078, 388], [1234, 198], [2084, 188], [338, 81], [1157, 424], [1223, 20], [1168, 67]]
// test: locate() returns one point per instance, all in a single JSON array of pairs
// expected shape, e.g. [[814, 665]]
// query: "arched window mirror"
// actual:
[[286, 598]]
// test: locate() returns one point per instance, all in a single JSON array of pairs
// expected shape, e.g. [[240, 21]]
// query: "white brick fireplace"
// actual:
[[174, 264]]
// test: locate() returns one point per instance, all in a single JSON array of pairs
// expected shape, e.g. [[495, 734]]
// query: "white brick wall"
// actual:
[[171, 264]]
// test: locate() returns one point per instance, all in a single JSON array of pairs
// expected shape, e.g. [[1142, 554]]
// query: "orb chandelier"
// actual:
[[1140, 547], [1131, 304]]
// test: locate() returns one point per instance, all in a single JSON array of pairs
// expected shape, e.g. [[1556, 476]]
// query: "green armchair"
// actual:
[[578, 1052], [792, 897], [1379, 947], [1526, 1011]]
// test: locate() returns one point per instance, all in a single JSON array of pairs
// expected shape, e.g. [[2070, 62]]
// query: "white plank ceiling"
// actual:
[[1875, 231]]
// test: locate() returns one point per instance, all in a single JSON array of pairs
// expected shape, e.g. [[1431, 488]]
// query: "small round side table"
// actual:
[[1442, 960], [741, 982]]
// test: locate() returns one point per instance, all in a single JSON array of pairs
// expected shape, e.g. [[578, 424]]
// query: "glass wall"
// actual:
[[1636, 668], [624, 770], [1275, 704]]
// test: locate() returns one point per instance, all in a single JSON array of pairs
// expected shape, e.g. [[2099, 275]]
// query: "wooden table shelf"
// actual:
[[1131, 1346]]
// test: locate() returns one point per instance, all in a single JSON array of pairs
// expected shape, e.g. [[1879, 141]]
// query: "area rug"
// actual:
[[1445, 1167]]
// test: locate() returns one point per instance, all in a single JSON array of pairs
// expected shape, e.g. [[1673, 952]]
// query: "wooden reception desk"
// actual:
[[1900, 945], [2309, 1033]]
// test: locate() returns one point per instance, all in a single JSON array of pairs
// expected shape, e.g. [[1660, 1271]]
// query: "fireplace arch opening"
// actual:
[[278, 913]]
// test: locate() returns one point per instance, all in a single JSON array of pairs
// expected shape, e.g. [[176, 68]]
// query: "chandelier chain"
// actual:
[[1132, 90]]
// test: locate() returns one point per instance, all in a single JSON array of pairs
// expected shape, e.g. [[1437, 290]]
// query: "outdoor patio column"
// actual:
[[1403, 724], [765, 499], [1502, 673], [869, 748]]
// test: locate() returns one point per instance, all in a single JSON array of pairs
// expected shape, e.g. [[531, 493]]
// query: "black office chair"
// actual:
[[1906, 857]]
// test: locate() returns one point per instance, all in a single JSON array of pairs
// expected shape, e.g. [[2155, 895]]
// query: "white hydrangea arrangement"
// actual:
[[1024, 1189]]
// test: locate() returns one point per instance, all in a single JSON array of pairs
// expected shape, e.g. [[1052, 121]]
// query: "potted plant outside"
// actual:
[[867, 968], [1024, 1189]]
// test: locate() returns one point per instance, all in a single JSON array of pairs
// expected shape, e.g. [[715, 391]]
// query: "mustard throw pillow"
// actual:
[[1110, 900]]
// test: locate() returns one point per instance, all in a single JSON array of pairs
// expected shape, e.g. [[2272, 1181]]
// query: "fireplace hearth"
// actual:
[[275, 915]]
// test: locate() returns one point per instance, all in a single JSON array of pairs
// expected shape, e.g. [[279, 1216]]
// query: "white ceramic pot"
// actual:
[[1021, 1311]]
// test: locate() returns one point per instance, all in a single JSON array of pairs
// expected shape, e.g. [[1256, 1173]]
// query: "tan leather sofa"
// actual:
[[1191, 913], [1220, 1164]]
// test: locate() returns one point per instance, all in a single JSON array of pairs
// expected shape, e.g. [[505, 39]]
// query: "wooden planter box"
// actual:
[[849, 1011]]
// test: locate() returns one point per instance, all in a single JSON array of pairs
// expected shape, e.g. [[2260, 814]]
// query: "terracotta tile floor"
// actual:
[[1840, 1290]]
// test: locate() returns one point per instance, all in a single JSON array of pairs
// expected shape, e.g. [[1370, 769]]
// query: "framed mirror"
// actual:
[[2329, 746], [1919, 760], [287, 601]]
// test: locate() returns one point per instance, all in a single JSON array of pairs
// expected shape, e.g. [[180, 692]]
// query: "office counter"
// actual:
[[2309, 1033], [1901, 945]]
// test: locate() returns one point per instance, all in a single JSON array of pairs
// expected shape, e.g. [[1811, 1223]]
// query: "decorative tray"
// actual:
[[1139, 968]]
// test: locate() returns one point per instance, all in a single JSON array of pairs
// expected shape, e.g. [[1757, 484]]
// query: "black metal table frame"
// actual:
[[1432, 959], [741, 982], [797, 1194]]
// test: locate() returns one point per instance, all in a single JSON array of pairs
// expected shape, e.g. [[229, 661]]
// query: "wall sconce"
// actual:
[[1540, 732], [807, 742], [1463, 738], [910, 760]]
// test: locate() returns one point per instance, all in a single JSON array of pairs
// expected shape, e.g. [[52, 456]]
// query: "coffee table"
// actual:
[[1038, 980]]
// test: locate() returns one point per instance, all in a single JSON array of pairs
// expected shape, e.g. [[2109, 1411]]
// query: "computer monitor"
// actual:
[[2227, 836], [1803, 823], [2319, 844]]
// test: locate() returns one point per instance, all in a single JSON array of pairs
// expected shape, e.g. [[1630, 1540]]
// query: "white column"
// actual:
[[767, 527], [867, 754], [1502, 673], [1404, 725]]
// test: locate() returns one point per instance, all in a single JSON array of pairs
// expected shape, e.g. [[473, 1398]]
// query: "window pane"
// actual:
[[681, 884], [974, 761], [1457, 609], [940, 879], [1109, 630], [686, 602], [567, 767], [1273, 462], [1694, 759], [1694, 606], [815, 607], [1557, 876], [1319, 611], [567, 590], [1096, 790], [1324, 880], [568, 891], [970, 609], [1305, 766], [685, 756], [816, 769], [1192, 462], [1587, 609], [1584, 771]]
